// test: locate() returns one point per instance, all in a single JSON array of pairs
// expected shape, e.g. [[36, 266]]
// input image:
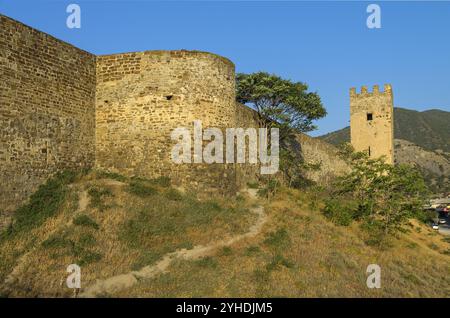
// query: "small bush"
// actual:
[[85, 220], [57, 242], [251, 250], [433, 246], [141, 190], [338, 213], [97, 195], [277, 261], [174, 195], [412, 245], [43, 204], [110, 175], [161, 181], [226, 251], [73, 248], [207, 262], [376, 233], [278, 239], [88, 257], [269, 189], [87, 240], [253, 185], [426, 216]]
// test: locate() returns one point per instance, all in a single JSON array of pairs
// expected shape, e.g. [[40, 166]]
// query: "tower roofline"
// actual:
[[375, 90]]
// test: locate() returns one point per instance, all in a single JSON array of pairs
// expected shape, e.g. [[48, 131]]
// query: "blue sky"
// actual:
[[325, 44]]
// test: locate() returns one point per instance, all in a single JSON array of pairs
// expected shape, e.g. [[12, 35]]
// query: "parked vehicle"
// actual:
[[442, 208]]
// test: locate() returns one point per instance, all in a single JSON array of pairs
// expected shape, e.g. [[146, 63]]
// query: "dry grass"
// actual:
[[118, 231], [298, 254], [301, 254]]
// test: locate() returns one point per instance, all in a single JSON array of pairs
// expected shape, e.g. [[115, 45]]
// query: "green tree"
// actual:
[[280, 102], [384, 195], [286, 105]]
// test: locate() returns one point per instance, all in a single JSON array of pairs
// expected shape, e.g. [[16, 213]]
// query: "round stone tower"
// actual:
[[142, 97]]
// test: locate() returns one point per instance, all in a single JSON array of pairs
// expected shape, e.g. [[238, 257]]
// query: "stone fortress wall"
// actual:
[[62, 107], [142, 97], [372, 120], [47, 109]]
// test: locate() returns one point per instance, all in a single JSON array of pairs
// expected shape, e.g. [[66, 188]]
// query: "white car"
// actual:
[[435, 226]]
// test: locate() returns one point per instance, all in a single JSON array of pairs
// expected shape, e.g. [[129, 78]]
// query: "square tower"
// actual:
[[371, 122]]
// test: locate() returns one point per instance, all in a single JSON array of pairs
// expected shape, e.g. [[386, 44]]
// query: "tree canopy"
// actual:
[[382, 195], [280, 102]]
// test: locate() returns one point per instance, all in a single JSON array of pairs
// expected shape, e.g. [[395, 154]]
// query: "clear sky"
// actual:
[[325, 44]]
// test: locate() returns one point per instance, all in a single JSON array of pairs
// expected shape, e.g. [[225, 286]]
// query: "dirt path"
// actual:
[[83, 202], [119, 282]]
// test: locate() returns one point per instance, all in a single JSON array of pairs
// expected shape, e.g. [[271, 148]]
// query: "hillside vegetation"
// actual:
[[422, 139], [111, 225]]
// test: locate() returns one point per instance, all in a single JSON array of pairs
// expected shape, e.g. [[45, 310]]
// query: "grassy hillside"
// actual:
[[111, 225], [428, 129]]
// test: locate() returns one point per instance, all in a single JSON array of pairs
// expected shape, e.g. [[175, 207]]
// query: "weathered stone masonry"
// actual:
[[62, 107], [47, 92], [142, 97], [371, 122]]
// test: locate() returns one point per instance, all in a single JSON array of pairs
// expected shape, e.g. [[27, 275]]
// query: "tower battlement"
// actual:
[[375, 91]]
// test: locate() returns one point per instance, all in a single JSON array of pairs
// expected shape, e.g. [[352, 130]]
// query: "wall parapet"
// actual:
[[375, 91]]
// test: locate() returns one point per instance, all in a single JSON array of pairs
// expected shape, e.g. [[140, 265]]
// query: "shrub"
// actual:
[[207, 262], [174, 195], [338, 212], [140, 189], [73, 248], [85, 220], [277, 261], [278, 239], [162, 181], [110, 175], [88, 257], [253, 185], [382, 195], [97, 195], [226, 251], [43, 204], [375, 232], [251, 250], [57, 242], [87, 240], [269, 189]]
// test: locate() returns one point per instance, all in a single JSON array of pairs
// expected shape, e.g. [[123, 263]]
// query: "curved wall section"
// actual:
[[141, 97]]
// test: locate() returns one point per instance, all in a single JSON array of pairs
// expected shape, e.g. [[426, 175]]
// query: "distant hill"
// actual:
[[337, 137], [428, 129], [434, 165]]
